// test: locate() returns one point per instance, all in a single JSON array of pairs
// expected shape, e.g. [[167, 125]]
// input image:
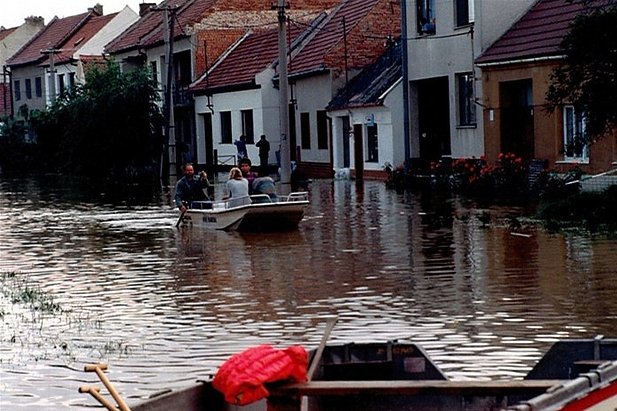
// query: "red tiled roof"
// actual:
[[537, 34], [252, 55], [148, 30], [313, 56], [85, 33], [6, 32], [51, 37]]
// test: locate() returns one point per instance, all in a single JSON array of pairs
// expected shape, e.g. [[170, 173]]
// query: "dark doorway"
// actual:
[[517, 134], [209, 144], [434, 118], [292, 132], [358, 149], [345, 138]]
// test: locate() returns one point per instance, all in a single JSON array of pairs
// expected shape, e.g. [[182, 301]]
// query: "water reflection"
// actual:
[[164, 307]]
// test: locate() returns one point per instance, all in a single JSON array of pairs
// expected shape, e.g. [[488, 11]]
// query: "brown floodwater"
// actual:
[[165, 307]]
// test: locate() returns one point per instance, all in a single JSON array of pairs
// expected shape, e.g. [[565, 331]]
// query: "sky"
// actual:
[[13, 12]]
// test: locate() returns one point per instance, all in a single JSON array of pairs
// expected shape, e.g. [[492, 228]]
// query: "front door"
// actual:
[[517, 134], [433, 118]]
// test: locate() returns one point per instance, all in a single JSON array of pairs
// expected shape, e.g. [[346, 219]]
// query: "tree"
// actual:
[[106, 129], [587, 77]]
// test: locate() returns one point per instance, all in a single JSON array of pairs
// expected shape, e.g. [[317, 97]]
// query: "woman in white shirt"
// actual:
[[237, 186]]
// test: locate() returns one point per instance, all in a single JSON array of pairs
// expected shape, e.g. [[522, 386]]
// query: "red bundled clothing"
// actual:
[[241, 378]]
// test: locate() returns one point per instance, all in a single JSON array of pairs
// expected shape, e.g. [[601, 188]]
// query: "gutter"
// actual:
[[521, 61]]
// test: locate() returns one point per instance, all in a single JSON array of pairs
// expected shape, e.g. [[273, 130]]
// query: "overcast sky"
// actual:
[[13, 12]]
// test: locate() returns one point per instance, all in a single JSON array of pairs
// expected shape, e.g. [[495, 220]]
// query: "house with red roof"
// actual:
[[11, 40], [444, 39], [369, 109], [202, 33], [53, 60], [352, 37], [516, 72]]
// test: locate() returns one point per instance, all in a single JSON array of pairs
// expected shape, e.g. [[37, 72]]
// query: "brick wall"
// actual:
[[367, 41], [216, 41]]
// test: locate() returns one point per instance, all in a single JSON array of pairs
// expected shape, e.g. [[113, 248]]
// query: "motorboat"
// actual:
[[258, 212]]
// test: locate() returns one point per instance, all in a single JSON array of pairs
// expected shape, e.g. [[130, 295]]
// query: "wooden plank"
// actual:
[[400, 387]]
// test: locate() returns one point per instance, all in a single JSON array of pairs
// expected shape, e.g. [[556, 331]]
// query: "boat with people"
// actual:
[[257, 212], [573, 375]]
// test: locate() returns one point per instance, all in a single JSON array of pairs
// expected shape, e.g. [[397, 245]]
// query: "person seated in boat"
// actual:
[[264, 185], [237, 188], [245, 166], [191, 187]]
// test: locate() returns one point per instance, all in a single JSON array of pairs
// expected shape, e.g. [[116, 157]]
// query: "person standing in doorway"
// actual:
[[264, 151], [241, 147]]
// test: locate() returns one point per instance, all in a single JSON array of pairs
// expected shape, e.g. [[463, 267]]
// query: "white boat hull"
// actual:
[[257, 213]]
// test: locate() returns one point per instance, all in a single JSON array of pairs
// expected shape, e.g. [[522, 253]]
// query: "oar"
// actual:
[[98, 368], [181, 217], [591, 177], [331, 321], [95, 392]]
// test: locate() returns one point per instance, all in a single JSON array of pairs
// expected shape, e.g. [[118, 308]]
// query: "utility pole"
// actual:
[[283, 106], [169, 152], [52, 73]]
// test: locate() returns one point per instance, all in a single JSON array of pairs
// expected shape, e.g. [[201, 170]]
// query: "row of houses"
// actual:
[[371, 82]]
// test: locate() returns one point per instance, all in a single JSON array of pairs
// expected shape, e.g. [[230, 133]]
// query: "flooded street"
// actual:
[[164, 307]]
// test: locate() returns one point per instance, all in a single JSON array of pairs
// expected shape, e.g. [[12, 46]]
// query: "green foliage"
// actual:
[[106, 129], [594, 211], [587, 77], [16, 148]]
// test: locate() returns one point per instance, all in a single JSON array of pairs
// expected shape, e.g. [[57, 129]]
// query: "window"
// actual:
[[225, 127], [322, 130], [71, 80], [154, 71], [247, 126], [464, 12], [28, 88], [38, 87], [372, 149], [426, 16], [61, 84], [574, 139], [17, 91], [305, 130], [466, 100]]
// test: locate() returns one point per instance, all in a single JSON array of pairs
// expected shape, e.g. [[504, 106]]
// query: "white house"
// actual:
[[444, 88]]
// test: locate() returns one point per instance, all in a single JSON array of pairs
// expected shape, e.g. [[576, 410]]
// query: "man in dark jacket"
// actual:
[[191, 187], [264, 150]]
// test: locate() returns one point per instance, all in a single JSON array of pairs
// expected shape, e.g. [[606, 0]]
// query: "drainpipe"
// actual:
[[405, 64]]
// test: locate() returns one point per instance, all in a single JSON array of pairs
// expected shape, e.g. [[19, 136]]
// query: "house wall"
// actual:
[[389, 120], [312, 94], [548, 127], [20, 36], [95, 46], [450, 51], [30, 72], [264, 103]]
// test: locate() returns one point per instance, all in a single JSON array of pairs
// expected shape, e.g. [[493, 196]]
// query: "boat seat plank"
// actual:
[[407, 387]]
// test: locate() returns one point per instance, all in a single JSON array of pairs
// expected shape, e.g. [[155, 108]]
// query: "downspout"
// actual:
[[405, 64]]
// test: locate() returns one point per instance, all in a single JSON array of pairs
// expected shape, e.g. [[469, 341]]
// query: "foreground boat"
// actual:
[[579, 374], [258, 212]]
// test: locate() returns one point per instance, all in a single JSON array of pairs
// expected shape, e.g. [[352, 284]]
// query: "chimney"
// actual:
[[97, 9], [144, 8]]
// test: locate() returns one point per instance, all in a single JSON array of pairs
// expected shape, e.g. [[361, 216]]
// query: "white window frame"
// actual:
[[573, 123]]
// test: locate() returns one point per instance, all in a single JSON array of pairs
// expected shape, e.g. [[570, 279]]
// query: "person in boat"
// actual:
[[237, 186], [245, 166], [191, 187], [264, 185]]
